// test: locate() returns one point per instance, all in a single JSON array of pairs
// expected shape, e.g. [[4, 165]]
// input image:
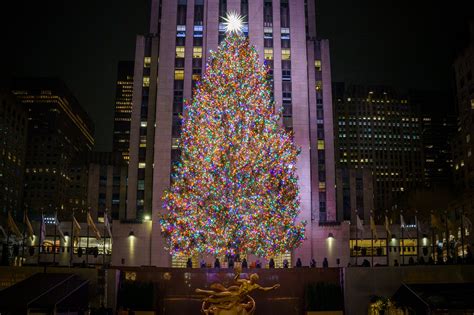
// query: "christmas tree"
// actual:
[[234, 190]]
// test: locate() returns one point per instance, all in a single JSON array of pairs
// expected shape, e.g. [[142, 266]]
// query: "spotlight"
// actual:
[[330, 235], [131, 234]]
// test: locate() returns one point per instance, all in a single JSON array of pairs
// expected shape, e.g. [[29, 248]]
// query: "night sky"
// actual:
[[404, 43]]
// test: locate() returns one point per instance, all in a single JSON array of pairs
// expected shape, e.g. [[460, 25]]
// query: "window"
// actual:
[[268, 52], [317, 65], [179, 74], [179, 51], [472, 103], [321, 145], [147, 62], [146, 81], [285, 54], [141, 165], [319, 85], [197, 52]]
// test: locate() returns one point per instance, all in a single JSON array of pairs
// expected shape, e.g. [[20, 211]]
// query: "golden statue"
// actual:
[[234, 300]]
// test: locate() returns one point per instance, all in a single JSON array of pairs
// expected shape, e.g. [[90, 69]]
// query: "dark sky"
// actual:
[[405, 43]]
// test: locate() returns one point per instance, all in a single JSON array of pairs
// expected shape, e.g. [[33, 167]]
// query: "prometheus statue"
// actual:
[[234, 300]]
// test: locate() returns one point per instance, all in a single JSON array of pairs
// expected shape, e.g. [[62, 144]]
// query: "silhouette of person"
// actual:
[[271, 264], [298, 263], [244, 263], [217, 263], [189, 263], [325, 263], [312, 263]]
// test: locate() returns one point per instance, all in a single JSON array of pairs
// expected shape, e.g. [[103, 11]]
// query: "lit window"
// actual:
[[472, 103], [147, 62], [179, 74], [197, 52], [317, 65], [285, 54], [146, 81], [141, 165], [179, 51], [196, 77], [268, 52], [143, 124], [322, 186], [468, 138], [320, 144], [319, 85]]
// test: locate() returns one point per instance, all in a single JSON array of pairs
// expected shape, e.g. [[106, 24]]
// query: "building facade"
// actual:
[[171, 58], [379, 129], [13, 132], [106, 186], [355, 192], [59, 132], [123, 108]]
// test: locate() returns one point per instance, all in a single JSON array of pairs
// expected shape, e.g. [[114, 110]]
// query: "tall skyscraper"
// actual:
[[123, 108], [59, 131], [172, 57], [379, 129], [13, 131], [463, 147]]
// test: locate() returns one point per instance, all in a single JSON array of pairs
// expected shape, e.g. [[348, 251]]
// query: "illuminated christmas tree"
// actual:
[[234, 190]]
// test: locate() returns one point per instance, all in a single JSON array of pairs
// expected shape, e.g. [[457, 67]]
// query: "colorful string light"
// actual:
[[235, 189]]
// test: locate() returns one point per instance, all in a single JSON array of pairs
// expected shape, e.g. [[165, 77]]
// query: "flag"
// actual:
[[387, 226], [91, 225], [467, 223], [402, 222], [107, 225], [360, 226], [435, 221], [58, 227], [3, 232], [43, 229], [12, 226], [373, 228], [29, 228]]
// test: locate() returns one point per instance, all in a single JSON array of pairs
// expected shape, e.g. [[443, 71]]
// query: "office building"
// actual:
[[59, 131], [123, 108], [379, 129], [13, 131], [169, 60]]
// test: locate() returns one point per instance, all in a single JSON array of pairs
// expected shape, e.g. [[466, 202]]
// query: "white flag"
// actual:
[[58, 227], [402, 222], [360, 226], [43, 229], [107, 225], [3, 232], [467, 223]]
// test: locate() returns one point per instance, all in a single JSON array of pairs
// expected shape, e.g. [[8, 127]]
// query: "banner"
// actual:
[[92, 226], [12, 226]]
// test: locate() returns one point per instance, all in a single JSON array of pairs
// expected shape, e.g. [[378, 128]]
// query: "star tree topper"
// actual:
[[234, 23]]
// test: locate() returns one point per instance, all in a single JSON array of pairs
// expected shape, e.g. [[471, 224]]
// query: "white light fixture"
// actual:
[[330, 235], [147, 218], [234, 22]]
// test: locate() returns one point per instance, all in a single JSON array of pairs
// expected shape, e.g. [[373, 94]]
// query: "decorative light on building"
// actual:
[[234, 22]]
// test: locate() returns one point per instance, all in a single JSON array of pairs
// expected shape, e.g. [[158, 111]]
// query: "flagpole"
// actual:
[[417, 236], [24, 238], [39, 239], [87, 244], [356, 252], [462, 233], [402, 230], [372, 234], [71, 240], [106, 219], [386, 242], [54, 242], [447, 234]]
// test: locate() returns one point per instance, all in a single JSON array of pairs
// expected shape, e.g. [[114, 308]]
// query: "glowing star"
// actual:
[[234, 23]]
